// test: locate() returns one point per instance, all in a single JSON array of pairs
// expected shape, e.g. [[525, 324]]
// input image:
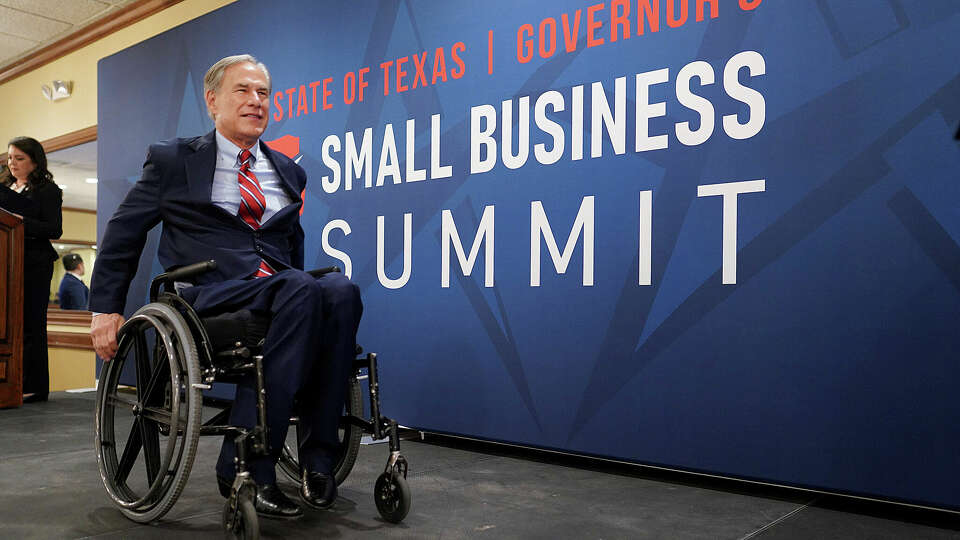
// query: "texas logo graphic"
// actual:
[[289, 146]]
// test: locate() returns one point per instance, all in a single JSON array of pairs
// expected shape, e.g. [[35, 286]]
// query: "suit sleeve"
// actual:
[[48, 222], [124, 238]]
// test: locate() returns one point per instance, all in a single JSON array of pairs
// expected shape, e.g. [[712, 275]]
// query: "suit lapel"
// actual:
[[200, 166], [286, 175]]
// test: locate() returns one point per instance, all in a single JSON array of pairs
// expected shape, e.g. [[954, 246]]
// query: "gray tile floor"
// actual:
[[50, 488]]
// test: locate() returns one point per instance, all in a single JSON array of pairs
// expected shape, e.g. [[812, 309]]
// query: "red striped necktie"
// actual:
[[252, 204]]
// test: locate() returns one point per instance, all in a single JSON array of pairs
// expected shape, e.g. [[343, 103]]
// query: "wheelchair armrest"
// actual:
[[321, 271], [180, 274]]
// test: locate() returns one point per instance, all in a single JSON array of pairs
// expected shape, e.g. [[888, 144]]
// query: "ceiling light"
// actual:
[[91, 180], [63, 186]]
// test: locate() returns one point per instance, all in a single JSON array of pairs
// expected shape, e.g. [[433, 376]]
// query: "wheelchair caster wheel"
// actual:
[[240, 521], [392, 495]]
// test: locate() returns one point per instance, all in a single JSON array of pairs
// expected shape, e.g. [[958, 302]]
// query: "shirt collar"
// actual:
[[230, 153]]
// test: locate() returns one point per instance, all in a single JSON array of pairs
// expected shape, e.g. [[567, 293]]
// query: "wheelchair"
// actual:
[[146, 440]]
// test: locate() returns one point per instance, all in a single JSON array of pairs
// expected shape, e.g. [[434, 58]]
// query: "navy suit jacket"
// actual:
[[175, 189], [73, 292]]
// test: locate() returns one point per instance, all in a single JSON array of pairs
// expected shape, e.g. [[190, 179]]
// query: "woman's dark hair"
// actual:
[[31, 147]]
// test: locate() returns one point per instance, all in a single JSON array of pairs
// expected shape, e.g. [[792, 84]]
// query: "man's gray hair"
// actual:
[[214, 76]]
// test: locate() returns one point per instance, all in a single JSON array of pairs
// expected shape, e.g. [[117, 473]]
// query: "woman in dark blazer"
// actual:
[[37, 200]]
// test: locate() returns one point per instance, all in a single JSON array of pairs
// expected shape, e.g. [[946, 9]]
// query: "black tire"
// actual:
[[147, 477], [247, 525], [349, 440], [392, 496]]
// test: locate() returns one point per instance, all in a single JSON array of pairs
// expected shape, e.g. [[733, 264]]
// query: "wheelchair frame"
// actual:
[[183, 346]]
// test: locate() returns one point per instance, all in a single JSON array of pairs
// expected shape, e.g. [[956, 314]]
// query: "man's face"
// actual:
[[241, 105]]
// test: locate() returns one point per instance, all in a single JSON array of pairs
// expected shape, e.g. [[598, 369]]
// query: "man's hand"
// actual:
[[103, 330]]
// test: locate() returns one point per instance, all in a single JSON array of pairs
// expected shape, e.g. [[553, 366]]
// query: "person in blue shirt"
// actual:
[[73, 292]]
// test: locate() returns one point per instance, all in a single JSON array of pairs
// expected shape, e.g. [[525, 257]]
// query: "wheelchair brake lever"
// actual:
[[325, 270]]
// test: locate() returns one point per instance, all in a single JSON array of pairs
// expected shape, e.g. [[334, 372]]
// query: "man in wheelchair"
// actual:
[[227, 196]]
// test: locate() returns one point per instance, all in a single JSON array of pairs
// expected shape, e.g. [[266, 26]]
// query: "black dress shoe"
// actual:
[[272, 503], [318, 490], [269, 502]]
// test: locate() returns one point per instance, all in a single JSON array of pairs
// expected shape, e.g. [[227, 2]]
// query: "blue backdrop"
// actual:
[[820, 353]]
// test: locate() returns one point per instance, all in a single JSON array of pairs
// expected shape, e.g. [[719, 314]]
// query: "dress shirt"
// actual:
[[226, 189]]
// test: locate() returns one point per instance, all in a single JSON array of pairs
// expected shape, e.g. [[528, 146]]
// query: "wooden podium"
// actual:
[[11, 310]]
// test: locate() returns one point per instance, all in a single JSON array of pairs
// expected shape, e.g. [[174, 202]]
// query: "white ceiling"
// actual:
[[71, 167], [29, 25]]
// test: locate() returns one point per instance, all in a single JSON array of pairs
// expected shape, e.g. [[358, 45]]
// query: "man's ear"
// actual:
[[211, 98]]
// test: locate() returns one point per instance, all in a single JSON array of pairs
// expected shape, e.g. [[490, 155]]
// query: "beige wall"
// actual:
[[79, 225], [27, 112]]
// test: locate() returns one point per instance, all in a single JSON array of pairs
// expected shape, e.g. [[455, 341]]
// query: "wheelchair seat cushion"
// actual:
[[247, 327]]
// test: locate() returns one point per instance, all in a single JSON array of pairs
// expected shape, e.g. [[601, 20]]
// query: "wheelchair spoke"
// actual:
[[158, 376], [143, 365], [157, 416], [151, 448], [117, 399], [130, 452]]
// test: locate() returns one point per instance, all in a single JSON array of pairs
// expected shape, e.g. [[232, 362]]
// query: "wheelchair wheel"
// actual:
[[146, 439], [241, 523], [349, 440], [392, 495]]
